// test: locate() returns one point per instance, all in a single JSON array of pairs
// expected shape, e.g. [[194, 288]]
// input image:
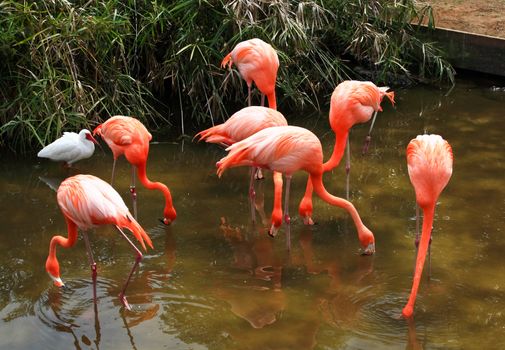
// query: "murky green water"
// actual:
[[215, 281]]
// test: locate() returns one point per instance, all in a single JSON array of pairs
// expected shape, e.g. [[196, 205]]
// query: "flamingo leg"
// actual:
[[369, 136], [92, 262], [262, 99], [134, 193], [138, 258], [287, 219], [259, 203], [252, 195], [429, 260], [417, 227], [249, 94], [113, 172], [347, 167]]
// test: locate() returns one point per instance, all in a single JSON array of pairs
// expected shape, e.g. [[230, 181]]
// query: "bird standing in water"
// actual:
[[352, 102], [242, 124], [88, 202], [286, 149], [429, 161], [257, 62], [128, 136], [70, 148]]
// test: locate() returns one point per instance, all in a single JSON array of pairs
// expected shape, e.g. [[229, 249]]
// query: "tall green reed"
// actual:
[[71, 64]]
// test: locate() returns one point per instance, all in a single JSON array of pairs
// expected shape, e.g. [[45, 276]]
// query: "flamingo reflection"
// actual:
[[259, 299]]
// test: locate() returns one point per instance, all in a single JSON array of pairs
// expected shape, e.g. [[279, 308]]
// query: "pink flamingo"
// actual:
[[88, 202], [257, 62], [429, 160], [286, 149], [128, 136], [242, 124], [352, 102]]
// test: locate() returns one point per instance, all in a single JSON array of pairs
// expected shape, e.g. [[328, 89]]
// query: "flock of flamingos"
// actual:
[[255, 136]]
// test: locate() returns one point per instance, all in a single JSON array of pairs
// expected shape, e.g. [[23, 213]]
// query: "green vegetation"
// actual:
[[71, 64]]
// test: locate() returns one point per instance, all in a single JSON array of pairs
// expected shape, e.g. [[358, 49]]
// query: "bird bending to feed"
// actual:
[[429, 161], [88, 202], [70, 148], [286, 149], [257, 62], [352, 102], [128, 136], [240, 125]]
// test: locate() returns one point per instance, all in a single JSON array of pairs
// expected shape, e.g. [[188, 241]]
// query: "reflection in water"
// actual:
[[226, 281], [339, 307], [412, 342], [255, 301]]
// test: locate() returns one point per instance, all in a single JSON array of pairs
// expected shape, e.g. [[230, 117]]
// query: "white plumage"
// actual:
[[70, 148]]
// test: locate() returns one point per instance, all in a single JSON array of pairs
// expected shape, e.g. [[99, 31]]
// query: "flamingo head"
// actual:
[[53, 269], [367, 241], [57, 281], [169, 216], [307, 220], [408, 311], [276, 223]]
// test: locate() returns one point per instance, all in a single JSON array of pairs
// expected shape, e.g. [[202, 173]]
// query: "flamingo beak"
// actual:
[[369, 250], [58, 282]]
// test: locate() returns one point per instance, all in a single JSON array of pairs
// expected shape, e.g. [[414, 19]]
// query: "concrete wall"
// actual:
[[471, 51]]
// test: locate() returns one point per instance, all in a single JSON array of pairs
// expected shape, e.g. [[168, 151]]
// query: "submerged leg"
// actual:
[[416, 242], [259, 203], [252, 195], [92, 263], [429, 260], [138, 258], [134, 193]]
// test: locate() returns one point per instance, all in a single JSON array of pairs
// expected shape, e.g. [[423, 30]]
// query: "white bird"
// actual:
[[70, 148]]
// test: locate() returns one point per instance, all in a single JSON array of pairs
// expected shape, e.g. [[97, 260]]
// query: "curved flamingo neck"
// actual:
[[62, 241], [305, 207], [141, 169], [338, 150], [52, 265], [272, 101], [428, 213], [317, 182]]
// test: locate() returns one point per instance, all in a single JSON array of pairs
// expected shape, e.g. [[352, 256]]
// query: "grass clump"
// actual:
[[72, 64]]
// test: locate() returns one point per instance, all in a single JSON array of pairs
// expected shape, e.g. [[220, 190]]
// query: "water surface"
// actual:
[[217, 281]]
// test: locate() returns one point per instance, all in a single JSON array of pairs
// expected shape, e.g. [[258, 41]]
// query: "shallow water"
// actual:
[[216, 281]]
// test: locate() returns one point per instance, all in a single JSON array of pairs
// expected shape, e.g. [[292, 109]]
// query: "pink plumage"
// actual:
[[257, 62], [429, 161], [242, 124]]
